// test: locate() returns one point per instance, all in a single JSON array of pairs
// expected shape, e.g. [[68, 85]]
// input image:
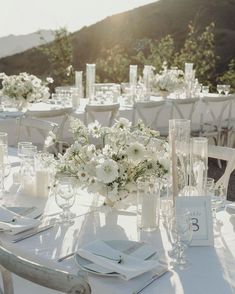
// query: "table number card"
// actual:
[[200, 210]]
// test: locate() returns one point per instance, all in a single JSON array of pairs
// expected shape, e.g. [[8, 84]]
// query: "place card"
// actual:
[[200, 211]]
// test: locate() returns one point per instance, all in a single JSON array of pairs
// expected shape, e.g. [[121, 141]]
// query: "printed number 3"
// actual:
[[195, 224]]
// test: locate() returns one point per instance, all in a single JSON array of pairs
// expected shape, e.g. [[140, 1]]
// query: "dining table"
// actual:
[[47, 111], [211, 269]]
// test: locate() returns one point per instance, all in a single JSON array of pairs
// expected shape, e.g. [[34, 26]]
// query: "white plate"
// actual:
[[125, 246]]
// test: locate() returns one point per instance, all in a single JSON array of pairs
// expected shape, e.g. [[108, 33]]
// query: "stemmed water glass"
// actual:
[[181, 235], [65, 197], [220, 89], [226, 89]]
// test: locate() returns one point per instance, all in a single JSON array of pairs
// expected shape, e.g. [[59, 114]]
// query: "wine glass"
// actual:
[[65, 197], [182, 231], [226, 89], [219, 89]]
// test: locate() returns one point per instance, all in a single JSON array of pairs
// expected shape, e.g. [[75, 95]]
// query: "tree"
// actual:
[[113, 66], [229, 76], [60, 56], [200, 50], [156, 52]]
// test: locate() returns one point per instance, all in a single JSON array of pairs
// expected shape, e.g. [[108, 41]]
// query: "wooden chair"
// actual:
[[105, 114], [227, 154], [155, 114], [216, 114], [34, 126], [55, 279], [185, 109]]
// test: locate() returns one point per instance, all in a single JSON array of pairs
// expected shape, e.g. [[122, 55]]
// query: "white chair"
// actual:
[[185, 109], [227, 154], [55, 279], [228, 126], [216, 115], [105, 114], [29, 128], [62, 114], [155, 114]]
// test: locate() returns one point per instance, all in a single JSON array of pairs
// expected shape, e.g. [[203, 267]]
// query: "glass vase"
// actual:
[[179, 142], [90, 81]]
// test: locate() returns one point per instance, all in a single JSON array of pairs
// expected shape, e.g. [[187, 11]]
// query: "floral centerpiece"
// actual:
[[24, 88], [126, 153], [168, 79]]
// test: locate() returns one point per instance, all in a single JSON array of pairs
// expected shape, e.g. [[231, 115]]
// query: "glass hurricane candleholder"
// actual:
[[90, 81], [179, 142]]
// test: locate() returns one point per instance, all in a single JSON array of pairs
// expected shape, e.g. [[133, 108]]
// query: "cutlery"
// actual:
[[152, 280], [15, 218], [39, 230], [66, 256]]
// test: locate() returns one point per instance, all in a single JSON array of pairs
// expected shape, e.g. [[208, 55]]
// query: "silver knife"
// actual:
[[39, 230], [153, 279]]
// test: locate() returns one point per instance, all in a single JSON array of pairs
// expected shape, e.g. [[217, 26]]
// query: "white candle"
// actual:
[[28, 185], [75, 100], [199, 168], [149, 211], [42, 183]]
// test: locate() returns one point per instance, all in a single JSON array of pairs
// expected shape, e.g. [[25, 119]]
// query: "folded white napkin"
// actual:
[[129, 267], [19, 224], [230, 208]]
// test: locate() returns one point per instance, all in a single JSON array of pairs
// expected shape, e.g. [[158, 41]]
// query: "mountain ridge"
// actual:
[[154, 20]]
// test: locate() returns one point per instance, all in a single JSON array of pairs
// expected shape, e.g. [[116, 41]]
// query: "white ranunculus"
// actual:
[[107, 171]]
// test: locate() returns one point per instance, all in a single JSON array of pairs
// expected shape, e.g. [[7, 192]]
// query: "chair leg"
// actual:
[[7, 281]]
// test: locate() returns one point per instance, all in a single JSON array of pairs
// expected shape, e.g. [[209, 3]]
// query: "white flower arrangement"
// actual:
[[168, 79], [24, 87], [128, 152]]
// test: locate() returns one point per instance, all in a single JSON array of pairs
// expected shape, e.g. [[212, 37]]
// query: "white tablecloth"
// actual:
[[8, 120], [212, 269]]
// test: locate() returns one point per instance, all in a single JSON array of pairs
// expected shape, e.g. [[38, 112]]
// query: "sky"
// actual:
[[27, 16]]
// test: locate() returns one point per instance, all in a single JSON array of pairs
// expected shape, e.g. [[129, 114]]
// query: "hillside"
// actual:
[[150, 21], [12, 44]]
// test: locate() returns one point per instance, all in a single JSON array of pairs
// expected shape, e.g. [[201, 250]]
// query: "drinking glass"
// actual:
[[181, 231], [219, 89], [65, 197], [226, 89], [205, 90], [4, 162]]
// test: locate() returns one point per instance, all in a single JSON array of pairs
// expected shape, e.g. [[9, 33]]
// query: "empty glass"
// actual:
[[181, 232], [65, 197], [219, 89], [4, 162], [205, 90], [226, 89]]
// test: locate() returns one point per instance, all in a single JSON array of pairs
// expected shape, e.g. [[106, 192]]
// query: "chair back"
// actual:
[[104, 114], [154, 114], [30, 127], [227, 154], [184, 108], [217, 110]]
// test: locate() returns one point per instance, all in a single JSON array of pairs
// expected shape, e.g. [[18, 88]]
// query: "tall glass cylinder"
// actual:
[[199, 165], [3, 160], [179, 142], [147, 74], [133, 79], [78, 83], [90, 81]]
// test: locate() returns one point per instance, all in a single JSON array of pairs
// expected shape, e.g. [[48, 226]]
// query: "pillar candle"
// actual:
[[42, 183]]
